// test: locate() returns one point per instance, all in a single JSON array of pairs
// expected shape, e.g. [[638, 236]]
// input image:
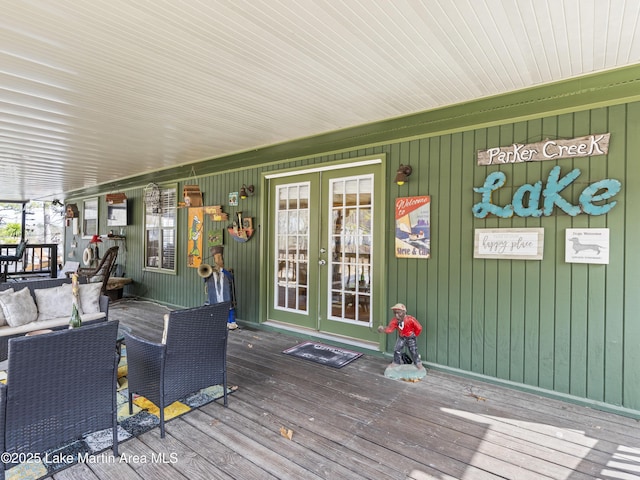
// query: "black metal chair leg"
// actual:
[[161, 422]]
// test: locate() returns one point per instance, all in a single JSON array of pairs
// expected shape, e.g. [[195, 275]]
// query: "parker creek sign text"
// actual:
[[540, 199], [588, 146]]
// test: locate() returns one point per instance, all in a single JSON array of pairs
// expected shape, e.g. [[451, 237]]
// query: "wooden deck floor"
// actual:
[[353, 423]]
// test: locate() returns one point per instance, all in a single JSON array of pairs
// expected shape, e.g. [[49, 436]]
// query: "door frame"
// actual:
[[381, 242]]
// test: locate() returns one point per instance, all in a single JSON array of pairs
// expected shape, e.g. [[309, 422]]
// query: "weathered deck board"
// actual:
[[447, 437], [353, 423], [217, 451]]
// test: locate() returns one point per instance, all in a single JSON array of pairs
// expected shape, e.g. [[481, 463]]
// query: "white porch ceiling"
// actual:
[[95, 91]]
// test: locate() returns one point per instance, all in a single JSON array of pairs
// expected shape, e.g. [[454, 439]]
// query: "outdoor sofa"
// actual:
[[45, 305]]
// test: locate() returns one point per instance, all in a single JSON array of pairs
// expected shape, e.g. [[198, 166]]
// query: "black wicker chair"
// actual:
[[60, 386], [5, 260], [194, 356]]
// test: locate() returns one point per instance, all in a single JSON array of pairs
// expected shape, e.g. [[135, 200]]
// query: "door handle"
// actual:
[[322, 262]]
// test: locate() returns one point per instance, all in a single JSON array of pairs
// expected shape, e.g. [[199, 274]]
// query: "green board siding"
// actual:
[[566, 327], [629, 272], [561, 327]]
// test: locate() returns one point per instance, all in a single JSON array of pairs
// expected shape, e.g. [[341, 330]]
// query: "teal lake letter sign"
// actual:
[[526, 200]]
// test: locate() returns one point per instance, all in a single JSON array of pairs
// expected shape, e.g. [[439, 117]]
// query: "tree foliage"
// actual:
[[10, 230]]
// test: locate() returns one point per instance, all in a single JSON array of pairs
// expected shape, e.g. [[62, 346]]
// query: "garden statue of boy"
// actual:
[[408, 330], [219, 286]]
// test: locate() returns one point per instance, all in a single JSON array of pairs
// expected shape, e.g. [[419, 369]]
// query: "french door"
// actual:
[[323, 252]]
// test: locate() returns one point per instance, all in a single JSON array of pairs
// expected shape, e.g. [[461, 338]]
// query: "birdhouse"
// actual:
[[72, 210], [192, 196]]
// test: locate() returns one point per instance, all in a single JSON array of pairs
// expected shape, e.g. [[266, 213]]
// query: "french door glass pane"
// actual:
[[292, 240], [351, 246]]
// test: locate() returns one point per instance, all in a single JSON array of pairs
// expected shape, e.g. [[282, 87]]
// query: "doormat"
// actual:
[[324, 354]]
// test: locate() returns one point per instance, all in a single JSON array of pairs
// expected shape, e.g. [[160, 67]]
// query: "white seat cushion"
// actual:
[[45, 324]]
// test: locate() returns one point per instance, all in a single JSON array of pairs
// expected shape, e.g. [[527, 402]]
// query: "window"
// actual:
[[160, 231]]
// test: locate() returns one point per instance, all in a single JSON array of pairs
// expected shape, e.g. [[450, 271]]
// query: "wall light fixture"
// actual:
[[246, 191], [403, 173]]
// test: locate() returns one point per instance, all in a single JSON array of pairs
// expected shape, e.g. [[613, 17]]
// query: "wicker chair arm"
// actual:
[[130, 338]]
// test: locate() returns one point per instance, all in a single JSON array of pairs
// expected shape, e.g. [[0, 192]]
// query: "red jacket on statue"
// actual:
[[409, 326]]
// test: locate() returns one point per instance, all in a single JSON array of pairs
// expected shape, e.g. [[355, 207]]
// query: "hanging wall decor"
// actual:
[[90, 218], [215, 213], [587, 245], [589, 146], [71, 217], [72, 210], [192, 196], [117, 212], [214, 238], [538, 199], [509, 243], [194, 243], [242, 228], [152, 197], [413, 227]]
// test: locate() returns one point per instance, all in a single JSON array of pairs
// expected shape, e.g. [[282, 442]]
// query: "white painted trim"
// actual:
[[314, 334], [324, 168]]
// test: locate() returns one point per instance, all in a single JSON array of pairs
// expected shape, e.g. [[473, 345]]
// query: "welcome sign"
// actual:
[[413, 227]]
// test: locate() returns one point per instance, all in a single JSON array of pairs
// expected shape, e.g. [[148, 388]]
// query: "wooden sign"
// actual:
[[588, 146], [509, 243], [216, 214], [194, 242]]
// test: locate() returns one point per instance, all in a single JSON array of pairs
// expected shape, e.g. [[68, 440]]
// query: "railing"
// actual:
[[38, 259]]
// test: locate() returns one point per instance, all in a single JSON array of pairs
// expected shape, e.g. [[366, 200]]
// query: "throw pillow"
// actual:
[[90, 297], [54, 302], [3, 320], [19, 308]]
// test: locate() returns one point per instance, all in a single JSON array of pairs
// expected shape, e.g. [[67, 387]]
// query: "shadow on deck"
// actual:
[[353, 423]]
